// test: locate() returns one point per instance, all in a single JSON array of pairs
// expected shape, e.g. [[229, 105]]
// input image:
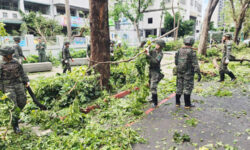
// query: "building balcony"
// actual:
[[83, 4], [9, 16]]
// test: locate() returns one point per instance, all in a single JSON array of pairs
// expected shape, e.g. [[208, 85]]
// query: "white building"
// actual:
[[217, 16], [150, 25], [189, 10], [54, 9]]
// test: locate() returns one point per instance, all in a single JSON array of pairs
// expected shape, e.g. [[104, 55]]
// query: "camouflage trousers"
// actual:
[[17, 94], [223, 67], [42, 57], [184, 83], [154, 79], [66, 66]]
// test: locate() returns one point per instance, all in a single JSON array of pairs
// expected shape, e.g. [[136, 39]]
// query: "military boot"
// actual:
[[232, 76], [177, 100], [187, 99], [16, 126], [222, 77], [155, 100]]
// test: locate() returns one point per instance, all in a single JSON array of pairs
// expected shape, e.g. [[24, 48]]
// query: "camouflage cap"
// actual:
[[189, 40], [17, 38], [161, 43], [229, 35], [65, 43], [7, 51]]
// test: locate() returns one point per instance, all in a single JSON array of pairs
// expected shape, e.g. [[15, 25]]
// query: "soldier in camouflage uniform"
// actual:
[[12, 80], [225, 59], [41, 47], [187, 65], [154, 58], [18, 55], [66, 57]]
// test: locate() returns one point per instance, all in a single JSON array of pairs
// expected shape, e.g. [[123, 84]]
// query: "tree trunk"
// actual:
[[240, 21], [67, 10], [174, 18], [204, 32], [159, 34], [100, 50], [136, 26]]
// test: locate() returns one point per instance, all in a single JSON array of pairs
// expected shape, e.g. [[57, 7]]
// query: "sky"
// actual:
[[204, 6]]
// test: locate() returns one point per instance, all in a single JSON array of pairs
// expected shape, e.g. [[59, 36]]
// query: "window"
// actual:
[[192, 2], [9, 5], [14, 15], [44, 9], [168, 1], [5, 15], [183, 2], [150, 20]]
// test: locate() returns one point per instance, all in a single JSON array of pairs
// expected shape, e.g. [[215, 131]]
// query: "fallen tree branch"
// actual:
[[216, 66]]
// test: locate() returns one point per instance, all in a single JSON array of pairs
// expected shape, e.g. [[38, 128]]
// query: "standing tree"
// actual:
[[163, 7], [133, 10], [202, 49], [184, 27], [36, 24], [68, 16], [239, 14], [99, 32], [2, 29]]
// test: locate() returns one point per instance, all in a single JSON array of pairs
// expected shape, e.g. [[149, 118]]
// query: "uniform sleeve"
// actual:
[[155, 60], [20, 51], [176, 58], [69, 54], [24, 76], [195, 63], [37, 46], [63, 53], [229, 49]]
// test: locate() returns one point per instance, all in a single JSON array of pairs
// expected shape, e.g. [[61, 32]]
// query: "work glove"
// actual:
[[227, 61], [199, 77]]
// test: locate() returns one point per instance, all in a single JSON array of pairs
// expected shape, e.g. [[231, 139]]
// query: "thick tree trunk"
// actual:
[[240, 21], [67, 10], [204, 32], [174, 18], [100, 50]]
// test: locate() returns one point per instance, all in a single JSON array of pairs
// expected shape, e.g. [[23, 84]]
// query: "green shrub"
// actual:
[[173, 45], [31, 59], [78, 53], [213, 52]]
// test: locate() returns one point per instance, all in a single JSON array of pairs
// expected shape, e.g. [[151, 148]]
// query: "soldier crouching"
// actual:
[[13, 78], [187, 65], [154, 58]]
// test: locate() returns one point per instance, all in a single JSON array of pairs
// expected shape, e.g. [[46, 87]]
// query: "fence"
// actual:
[[54, 44]]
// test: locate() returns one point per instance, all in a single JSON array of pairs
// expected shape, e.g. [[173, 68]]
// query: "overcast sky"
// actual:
[[204, 6]]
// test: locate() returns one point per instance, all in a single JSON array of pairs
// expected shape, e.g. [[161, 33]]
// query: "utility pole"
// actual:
[[68, 16]]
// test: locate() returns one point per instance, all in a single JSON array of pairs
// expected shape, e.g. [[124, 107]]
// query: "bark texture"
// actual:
[[100, 50], [67, 10], [204, 32]]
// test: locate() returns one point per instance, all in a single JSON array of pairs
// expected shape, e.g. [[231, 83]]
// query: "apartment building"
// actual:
[[150, 24], [218, 17], [189, 10], [53, 9]]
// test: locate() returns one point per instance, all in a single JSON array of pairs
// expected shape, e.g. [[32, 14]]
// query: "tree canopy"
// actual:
[[2, 29], [38, 25], [185, 28]]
